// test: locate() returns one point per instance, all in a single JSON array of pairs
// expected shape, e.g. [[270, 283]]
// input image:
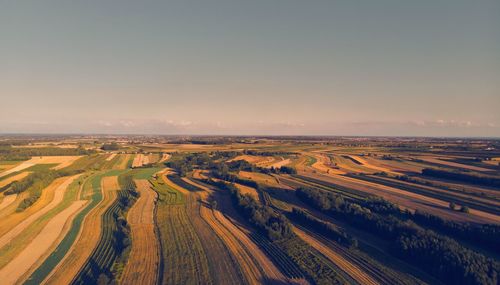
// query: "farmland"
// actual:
[[273, 211]]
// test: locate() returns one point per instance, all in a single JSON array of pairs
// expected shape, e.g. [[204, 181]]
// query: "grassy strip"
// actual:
[[94, 181], [113, 241], [17, 244]]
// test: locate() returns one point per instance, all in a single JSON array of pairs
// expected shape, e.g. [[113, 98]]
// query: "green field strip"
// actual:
[[32, 230], [64, 246]]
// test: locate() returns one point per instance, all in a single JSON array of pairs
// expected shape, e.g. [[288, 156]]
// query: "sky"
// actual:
[[261, 67]]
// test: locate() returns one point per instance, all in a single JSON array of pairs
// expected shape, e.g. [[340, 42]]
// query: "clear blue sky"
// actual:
[[251, 67]]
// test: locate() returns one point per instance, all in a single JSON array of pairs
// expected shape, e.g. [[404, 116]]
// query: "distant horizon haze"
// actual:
[[220, 67]]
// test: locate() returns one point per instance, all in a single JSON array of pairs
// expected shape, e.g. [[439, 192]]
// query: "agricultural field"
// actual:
[[249, 210]]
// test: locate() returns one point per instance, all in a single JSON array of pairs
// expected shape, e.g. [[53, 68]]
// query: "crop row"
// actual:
[[111, 242], [281, 259]]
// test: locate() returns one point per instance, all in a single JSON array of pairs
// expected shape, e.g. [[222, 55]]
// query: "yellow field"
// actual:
[[143, 262]]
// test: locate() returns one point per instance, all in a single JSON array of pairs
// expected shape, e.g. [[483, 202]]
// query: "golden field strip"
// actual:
[[233, 210], [143, 262]]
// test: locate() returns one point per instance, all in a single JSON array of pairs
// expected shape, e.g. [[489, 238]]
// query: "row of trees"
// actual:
[[440, 256], [278, 230], [324, 228], [34, 183], [274, 225], [473, 178]]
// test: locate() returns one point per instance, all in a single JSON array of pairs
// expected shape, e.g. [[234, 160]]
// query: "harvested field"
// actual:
[[110, 157], [249, 268], [445, 162], [280, 163], [88, 238], [409, 200], [246, 190], [262, 161], [61, 161], [138, 160], [182, 248], [268, 271], [324, 165], [180, 244], [7, 200], [16, 223], [35, 251], [223, 268], [123, 161], [373, 166], [165, 157], [143, 262], [261, 178], [352, 270], [16, 177]]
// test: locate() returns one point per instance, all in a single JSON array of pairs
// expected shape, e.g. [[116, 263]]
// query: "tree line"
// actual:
[[440, 256]]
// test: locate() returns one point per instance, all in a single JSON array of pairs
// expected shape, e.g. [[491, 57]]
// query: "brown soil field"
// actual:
[[88, 237], [352, 270], [39, 248], [144, 258], [16, 177], [14, 224]]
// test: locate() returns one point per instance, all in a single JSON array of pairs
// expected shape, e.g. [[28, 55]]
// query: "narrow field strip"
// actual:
[[143, 261], [33, 253], [7, 200], [247, 264], [16, 177], [58, 198], [61, 161], [269, 270], [352, 270], [88, 237], [110, 157], [223, 267], [138, 159]]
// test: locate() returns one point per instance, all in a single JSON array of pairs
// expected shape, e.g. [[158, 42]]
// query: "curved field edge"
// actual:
[[41, 273]]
